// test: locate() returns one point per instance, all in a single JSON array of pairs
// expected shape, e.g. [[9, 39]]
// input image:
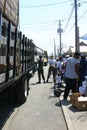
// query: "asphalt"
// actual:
[[75, 119]]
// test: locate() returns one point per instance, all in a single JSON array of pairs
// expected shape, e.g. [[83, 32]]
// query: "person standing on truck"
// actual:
[[40, 70], [52, 68]]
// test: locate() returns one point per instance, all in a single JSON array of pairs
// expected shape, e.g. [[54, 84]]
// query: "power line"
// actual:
[[36, 6], [27, 26], [78, 20], [69, 18], [83, 14], [40, 29], [41, 23]]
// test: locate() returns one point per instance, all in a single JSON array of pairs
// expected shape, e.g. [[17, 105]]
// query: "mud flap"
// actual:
[[19, 91]]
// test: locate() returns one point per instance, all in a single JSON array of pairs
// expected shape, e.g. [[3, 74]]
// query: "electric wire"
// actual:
[[50, 22], [69, 19], [41, 23], [40, 29], [35, 6], [82, 15], [77, 20], [54, 21]]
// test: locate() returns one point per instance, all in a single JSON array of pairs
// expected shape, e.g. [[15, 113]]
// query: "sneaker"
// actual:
[[38, 82], [44, 81], [47, 81]]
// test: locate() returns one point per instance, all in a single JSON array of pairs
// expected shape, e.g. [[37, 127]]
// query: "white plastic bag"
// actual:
[[58, 79]]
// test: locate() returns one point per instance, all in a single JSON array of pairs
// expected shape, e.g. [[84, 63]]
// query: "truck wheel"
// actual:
[[21, 90]]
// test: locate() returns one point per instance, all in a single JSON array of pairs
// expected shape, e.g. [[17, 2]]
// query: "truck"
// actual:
[[39, 51], [45, 58], [16, 53]]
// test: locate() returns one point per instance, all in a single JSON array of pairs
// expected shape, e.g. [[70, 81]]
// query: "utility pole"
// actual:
[[54, 48], [60, 31], [78, 47], [60, 35], [76, 29]]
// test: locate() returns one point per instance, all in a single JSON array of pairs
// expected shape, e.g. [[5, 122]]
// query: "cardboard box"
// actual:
[[2, 5], [2, 68], [10, 10], [80, 105]]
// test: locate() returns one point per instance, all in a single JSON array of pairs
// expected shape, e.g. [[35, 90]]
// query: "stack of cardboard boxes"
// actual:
[[10, 10]]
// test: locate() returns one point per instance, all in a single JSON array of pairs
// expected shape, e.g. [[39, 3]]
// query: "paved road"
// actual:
[[42, 110]]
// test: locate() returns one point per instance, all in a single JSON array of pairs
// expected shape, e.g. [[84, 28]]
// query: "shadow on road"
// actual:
[[58, 104], [7, 107]]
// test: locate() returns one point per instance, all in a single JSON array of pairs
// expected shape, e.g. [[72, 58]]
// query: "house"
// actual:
[[82, 48]]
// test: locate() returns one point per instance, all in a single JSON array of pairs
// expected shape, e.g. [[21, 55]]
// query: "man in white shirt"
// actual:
[[52, 64], [71, 74]]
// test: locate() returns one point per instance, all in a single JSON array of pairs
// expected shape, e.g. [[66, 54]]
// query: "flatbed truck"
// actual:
[[16, 53]]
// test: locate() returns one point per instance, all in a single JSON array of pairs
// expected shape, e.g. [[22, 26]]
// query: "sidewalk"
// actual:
[[75, 119]]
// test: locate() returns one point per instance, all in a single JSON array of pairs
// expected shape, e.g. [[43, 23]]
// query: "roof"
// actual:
[[82, 44], [83, 49]]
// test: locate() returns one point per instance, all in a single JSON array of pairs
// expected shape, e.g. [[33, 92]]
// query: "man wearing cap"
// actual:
[[40, 69]]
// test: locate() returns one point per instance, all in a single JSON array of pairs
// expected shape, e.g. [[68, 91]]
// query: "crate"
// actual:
[[10, 10], [2, 5], [2, 68], [80, 105]]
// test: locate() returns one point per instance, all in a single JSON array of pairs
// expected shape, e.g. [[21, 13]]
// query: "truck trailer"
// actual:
[[16, 53]]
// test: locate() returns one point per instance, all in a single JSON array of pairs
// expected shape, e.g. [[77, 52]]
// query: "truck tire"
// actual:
[[21, 90]]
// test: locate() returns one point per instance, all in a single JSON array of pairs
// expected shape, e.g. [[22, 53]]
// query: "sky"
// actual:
[[39, 21]]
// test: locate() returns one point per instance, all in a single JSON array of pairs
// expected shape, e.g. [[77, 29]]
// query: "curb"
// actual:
[[66, 114]]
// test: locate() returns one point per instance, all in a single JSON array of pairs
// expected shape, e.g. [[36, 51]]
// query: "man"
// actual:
[[71, 74], [60, 66], [82, 69], [52, 64], [40, 70]]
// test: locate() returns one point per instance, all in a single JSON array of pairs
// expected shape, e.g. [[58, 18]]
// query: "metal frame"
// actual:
[[0, 25], [15, 42], [23, 41], [8, 51]]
